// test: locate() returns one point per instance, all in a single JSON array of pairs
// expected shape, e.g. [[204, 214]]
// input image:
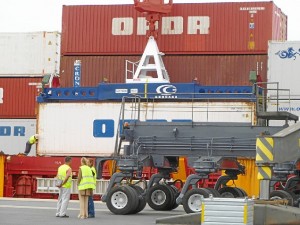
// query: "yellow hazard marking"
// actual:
[[245, 213], [202, 212], [270, 141], [258, 157], [264, 150], [266, 175], [259, 176], [267, 170]]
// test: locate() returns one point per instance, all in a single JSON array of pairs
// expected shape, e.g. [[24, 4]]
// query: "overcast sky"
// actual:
[[45, 15]]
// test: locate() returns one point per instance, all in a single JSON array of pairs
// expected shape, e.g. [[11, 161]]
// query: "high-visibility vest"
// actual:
[[32, 140], [87, 179], [62, 173], [95, 176]]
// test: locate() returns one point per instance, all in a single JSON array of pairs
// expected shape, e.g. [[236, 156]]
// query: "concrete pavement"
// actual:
[[15, 211]]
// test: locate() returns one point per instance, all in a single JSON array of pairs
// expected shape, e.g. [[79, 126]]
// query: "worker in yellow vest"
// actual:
[[91, 206], [85, 187], [32, 140], [65, 175]]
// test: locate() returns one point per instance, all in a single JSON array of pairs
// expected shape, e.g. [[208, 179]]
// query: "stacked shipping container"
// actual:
[[283, 73], [219, 43], [25, 58], [209, 69]]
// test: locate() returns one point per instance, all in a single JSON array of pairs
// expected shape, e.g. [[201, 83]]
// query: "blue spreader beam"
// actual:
[[115, 92]]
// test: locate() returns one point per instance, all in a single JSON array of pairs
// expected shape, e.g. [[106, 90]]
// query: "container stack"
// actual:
[[25, 58], [219, 43]]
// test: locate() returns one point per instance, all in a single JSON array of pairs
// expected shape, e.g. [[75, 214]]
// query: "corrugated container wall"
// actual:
[[95, 132], [209, 69], [29, 54], [18, 97], [209, 28], [14, 133]]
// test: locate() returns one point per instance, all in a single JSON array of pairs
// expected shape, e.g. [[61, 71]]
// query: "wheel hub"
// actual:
[[195, 202], [119, 200], [158, 197]]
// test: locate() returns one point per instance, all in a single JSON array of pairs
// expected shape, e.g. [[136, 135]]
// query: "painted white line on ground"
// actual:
[[41, 207], [40, 200]]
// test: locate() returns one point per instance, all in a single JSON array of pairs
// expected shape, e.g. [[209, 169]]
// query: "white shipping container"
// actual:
[[284, 73], [90, 128], [14, 133], [291, 106], [284, 66], [29, 54]]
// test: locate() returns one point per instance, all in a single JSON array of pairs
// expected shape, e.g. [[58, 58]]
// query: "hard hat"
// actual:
[[36, 136]]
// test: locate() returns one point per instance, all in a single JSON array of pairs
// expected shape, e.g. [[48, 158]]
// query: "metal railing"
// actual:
[[270, 94], [47, 185], [130, 68]]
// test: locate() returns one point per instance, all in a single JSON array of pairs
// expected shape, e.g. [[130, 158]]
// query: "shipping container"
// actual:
[[29, 54], [284, 66], [191, 28], [283, 74], [209, 69], [18, 97], [90, 128], [284, 105], [14, 133]]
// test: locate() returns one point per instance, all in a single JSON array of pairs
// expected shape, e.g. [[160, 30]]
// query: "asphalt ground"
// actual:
[[16, 211]]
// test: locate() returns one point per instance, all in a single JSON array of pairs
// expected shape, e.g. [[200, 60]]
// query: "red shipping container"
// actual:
[[209, 69], [18, 97], [209, 28]]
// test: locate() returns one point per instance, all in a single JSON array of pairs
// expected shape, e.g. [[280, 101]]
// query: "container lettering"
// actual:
[[170, 25], [77, 73], [7, 131]]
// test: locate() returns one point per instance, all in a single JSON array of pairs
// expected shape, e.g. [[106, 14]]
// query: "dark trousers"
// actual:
[[27, 148], [91, 207]]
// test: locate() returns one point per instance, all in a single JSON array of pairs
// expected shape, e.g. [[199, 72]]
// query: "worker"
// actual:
[[105, 80], [85, 184], [64, 173], [91, 207], [32, 140], [126, 125]]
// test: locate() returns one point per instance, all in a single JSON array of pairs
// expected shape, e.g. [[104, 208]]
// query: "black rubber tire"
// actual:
[[142, 201], [117, 207], [214, 192], [297, 201], [153, 197], [230, 192], [244, 193], [281, 194], [175, 194], [193, 197]]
